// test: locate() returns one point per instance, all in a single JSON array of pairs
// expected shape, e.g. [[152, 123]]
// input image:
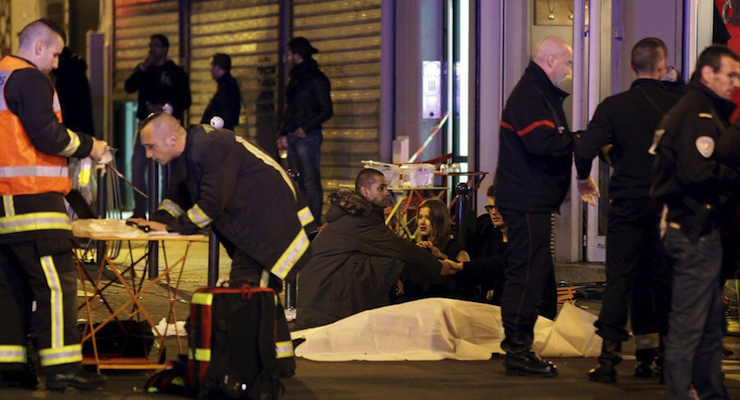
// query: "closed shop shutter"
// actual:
[[347, 33], [134, 22], [246, 30]]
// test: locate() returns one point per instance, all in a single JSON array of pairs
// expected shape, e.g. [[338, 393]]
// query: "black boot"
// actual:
[[646, 366], [80, 379], [611, 356]]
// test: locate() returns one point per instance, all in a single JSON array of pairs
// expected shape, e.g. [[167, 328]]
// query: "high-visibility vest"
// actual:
[[23, 168]]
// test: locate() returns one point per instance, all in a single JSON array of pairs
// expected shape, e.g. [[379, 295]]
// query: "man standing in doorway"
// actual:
[[159, 81], [532, 178], [226, 103], [308, 106], [628, 121]]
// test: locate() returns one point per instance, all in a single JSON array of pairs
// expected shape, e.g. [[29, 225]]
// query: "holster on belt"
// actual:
[[697, 222]]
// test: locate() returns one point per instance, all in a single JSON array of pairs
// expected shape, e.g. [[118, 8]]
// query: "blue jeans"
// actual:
[[304, 157], [696, 324]]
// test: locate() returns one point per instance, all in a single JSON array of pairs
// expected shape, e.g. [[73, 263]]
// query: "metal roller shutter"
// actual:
[[347, 33], [246, 30], [134, 22]]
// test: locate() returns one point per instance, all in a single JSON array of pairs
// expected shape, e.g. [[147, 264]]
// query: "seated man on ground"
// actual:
[[357, 258]]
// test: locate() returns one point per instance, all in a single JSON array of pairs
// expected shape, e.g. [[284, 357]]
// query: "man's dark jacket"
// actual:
[[225, 103], [536, 145], [308, 98], [158, 85], [224, 180], [346, 272], [627, 121], [683, 178]]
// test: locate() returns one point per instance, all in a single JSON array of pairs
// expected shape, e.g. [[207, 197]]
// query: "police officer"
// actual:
[[627, 121], [692, 179]]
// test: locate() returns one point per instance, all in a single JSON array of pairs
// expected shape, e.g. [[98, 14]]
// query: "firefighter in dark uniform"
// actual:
[[692, 178], [36, 261], [221, 180], [532, 178], [627, 121]]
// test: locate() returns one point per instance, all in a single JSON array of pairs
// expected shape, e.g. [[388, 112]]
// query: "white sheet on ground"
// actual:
[[435, 329]]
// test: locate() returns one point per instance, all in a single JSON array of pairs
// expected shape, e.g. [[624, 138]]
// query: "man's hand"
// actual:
[[282, 142], [153, 225], [425, 244], [450, 267], [300, 133], [99, 148], [588, 190]]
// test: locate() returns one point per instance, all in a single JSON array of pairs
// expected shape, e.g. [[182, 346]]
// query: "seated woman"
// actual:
[[435, 235]]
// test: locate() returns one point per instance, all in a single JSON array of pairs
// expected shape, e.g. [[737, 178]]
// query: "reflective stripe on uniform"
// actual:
[[22, 171], [12, 354], [291, 255], [267, 160], [72, 146], [305, 216], [56, 301], [199, 354], [34, 222], [8, 206], [61, 355], [265, 279], [205, 299], [170, 207], [199, 217], [284, 349]]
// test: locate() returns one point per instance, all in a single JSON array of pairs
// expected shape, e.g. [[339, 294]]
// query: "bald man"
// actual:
[[532, 178], [223, 181], [36, 261]]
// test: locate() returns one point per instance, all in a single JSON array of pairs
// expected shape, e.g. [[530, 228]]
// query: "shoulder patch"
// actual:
[[705, 146], [705, 115]]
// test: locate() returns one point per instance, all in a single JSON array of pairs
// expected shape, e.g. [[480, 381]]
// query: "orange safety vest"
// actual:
[[23, 168]]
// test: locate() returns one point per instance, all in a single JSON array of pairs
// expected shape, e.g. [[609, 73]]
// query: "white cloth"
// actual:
[[435, 329]]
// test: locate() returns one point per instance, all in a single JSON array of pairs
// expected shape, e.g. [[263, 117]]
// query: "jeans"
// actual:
[[693, 351], [528, 272], [304, 157]]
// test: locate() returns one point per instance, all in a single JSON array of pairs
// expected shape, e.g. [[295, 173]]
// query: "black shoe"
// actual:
[[645, 370], [528, 364], [80, 380], [18, 379], [603, 373]]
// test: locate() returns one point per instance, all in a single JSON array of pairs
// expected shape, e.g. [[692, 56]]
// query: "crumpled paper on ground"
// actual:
[[435, 329], [176, 329]]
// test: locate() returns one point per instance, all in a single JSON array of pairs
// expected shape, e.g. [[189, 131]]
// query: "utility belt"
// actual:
[[697, 222]]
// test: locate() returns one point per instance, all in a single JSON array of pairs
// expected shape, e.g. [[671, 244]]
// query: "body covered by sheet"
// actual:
[[435, 329]]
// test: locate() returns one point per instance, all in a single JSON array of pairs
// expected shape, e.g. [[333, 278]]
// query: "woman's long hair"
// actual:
[[439, 216]]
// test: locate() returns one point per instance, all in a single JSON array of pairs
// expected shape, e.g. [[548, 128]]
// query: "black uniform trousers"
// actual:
[[633, 259], [529, 271], [44, 271], [246, 270]]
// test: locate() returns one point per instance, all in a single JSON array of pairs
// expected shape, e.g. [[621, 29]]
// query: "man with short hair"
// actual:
[[532, 178], [691, 176], [159, 81], [308, 106], [627, 121], [228, 183], [36, 260], [357, 258], [226, 102]]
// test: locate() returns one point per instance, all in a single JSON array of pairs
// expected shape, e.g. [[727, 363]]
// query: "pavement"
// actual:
[[446, 379]]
